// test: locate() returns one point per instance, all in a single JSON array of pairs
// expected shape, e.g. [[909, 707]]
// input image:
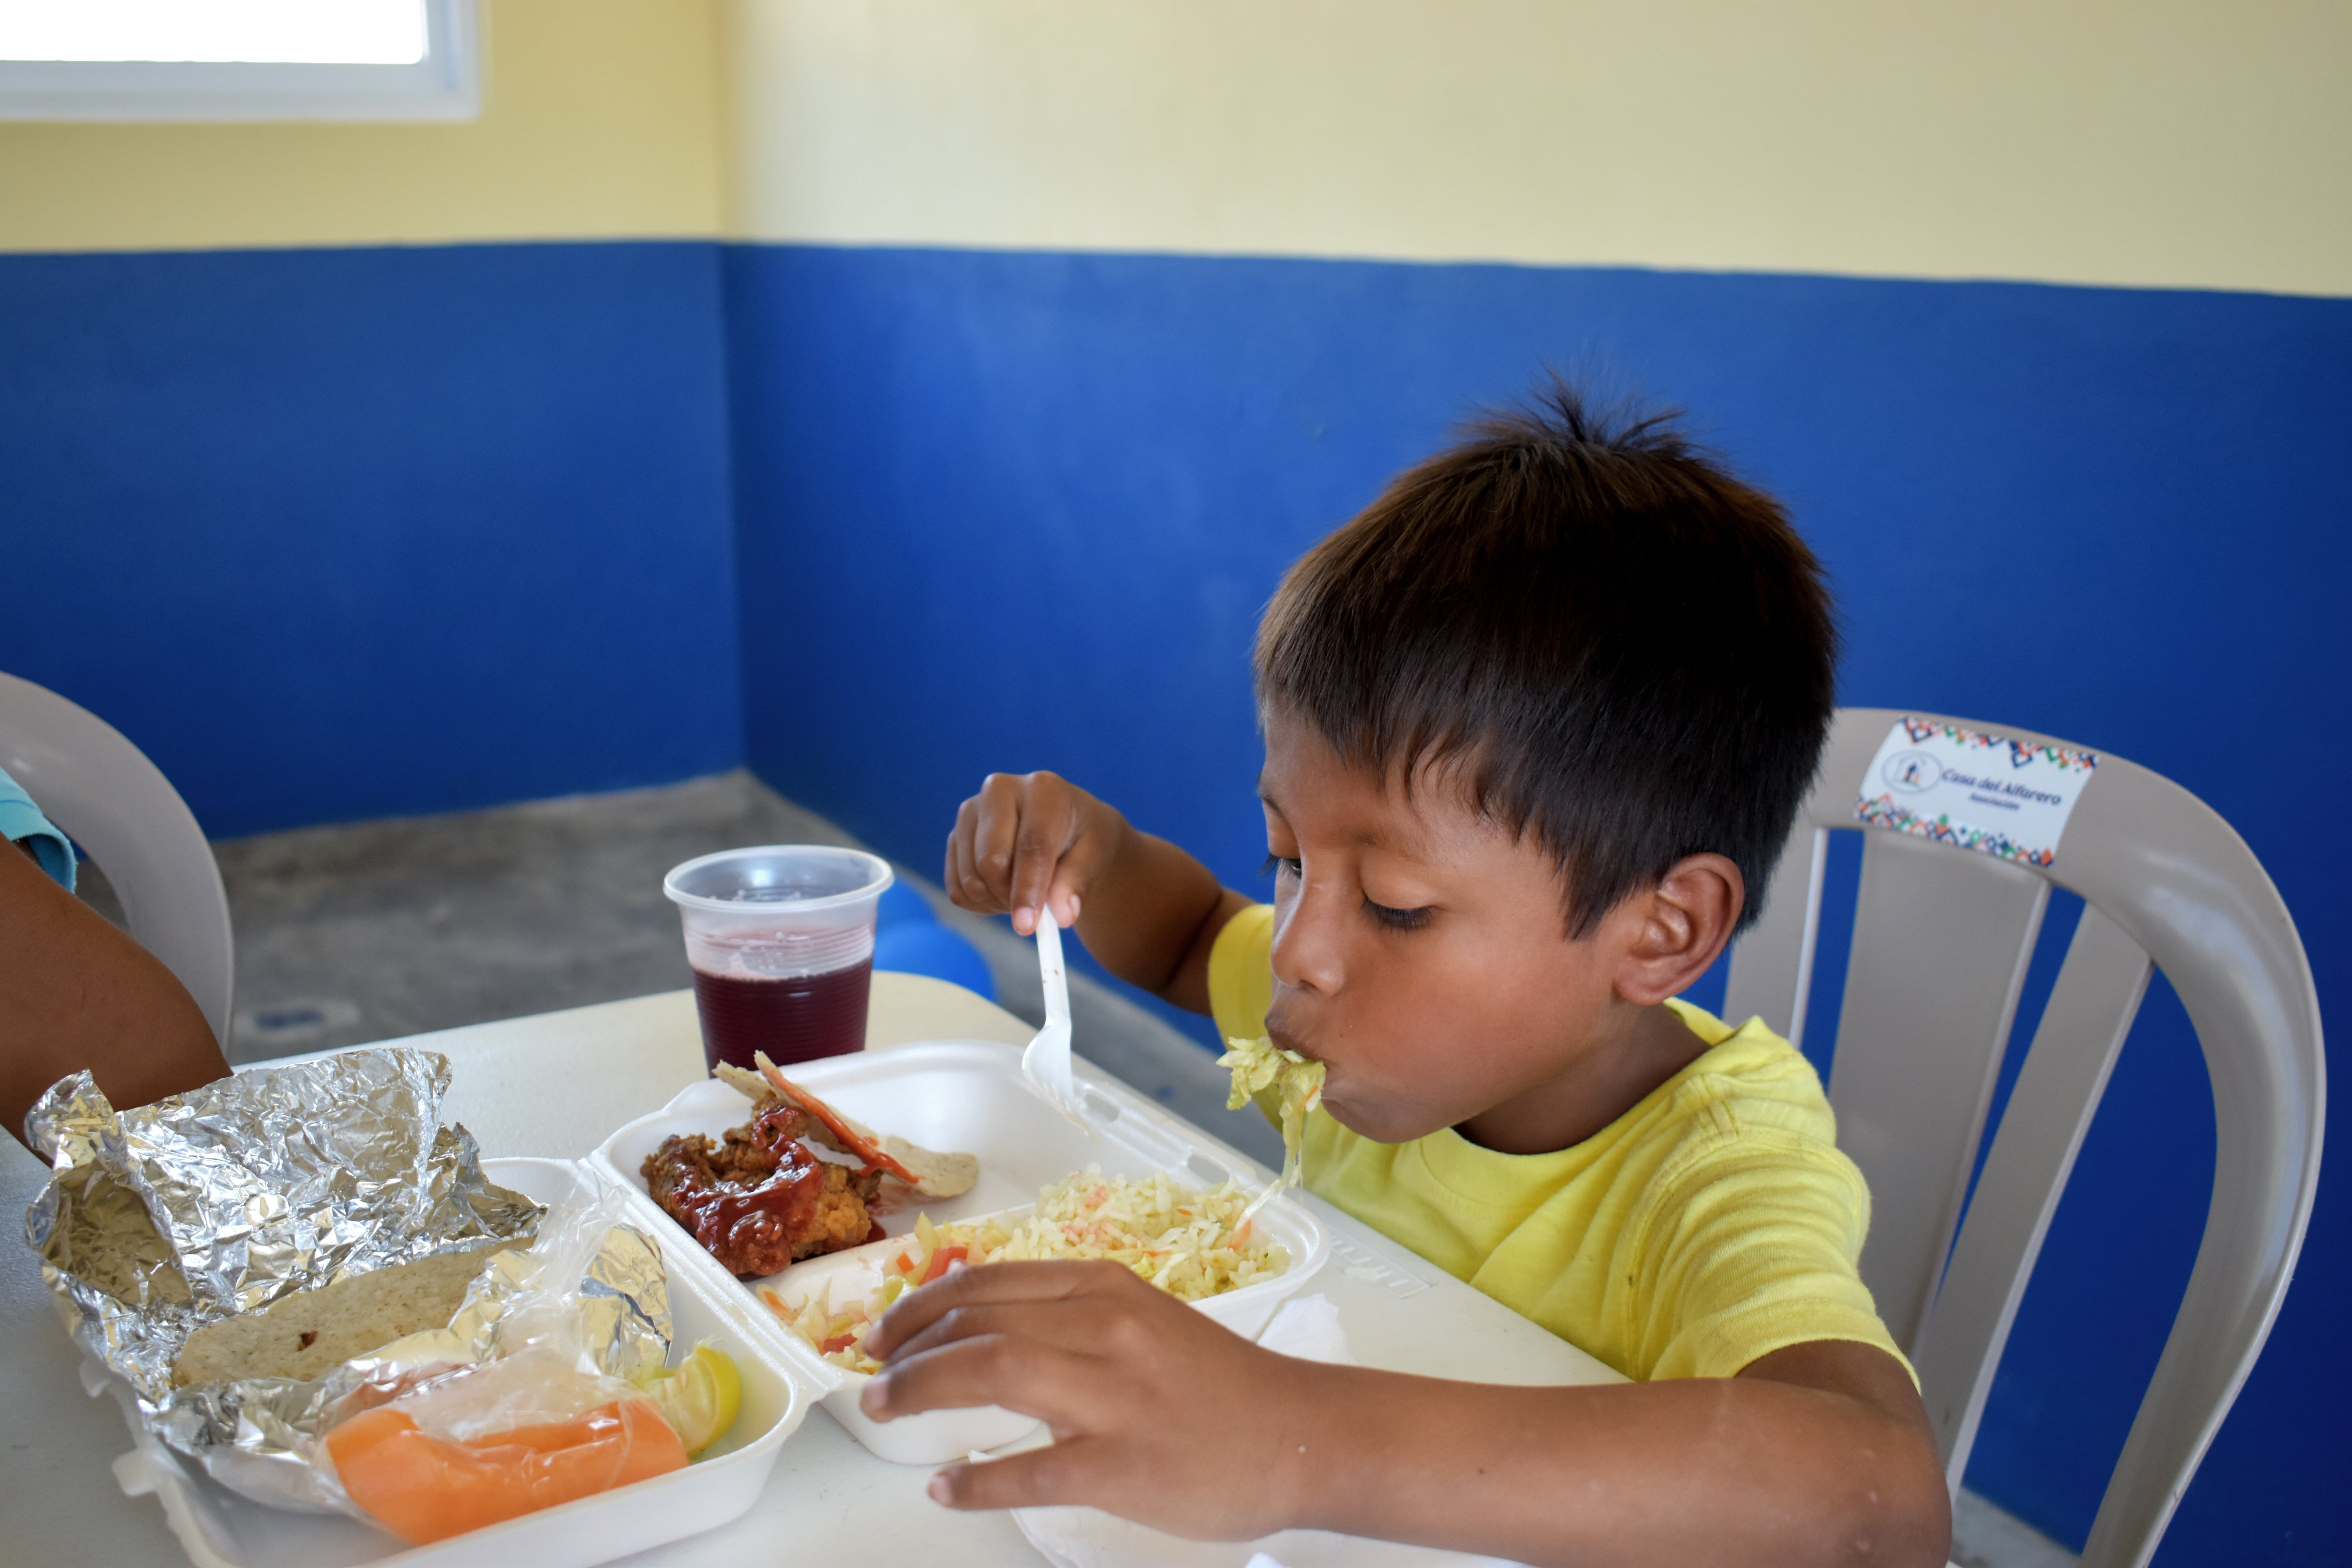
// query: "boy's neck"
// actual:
[[1643, 1047]]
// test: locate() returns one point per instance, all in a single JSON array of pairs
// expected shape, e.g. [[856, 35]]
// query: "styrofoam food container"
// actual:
[[932, 1438], [936, 1436], [222, 1530], [969, 1096]]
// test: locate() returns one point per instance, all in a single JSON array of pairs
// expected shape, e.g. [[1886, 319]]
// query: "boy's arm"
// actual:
[[1146, 910], [1818, 1454]]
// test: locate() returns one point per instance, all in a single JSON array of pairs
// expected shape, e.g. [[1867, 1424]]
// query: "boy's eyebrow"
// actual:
[[1266, 798], [1365, 837]]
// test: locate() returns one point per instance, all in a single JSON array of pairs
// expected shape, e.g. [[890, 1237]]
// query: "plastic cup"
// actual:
[[781, 938]]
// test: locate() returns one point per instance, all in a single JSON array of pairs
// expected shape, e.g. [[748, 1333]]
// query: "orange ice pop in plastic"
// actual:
[[424, 1488]]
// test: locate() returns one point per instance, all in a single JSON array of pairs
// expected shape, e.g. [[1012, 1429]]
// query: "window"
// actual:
[[238, 60]]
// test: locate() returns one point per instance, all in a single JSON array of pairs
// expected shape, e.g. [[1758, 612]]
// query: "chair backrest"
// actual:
[[1942, 939], [109, 799]]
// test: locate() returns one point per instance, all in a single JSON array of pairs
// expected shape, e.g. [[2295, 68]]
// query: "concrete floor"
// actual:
[[354, 933]]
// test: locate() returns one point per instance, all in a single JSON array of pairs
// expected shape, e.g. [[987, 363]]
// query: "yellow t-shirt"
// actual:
[[1712, 1224]]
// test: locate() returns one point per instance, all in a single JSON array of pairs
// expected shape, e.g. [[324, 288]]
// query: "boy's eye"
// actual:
[[1399, 919], [1279, 865]]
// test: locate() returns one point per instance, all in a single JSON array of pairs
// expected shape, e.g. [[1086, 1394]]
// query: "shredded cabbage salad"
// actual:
[[1190, 1243], [1298, 1083]]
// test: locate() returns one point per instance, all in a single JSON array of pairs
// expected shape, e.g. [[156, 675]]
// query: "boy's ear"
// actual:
[[1677, 928]]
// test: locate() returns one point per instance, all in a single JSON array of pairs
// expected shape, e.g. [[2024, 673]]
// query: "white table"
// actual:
[[556, 1084]]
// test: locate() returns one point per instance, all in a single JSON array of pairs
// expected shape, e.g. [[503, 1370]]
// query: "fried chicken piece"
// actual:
[[840, 1217], [761, 1199]]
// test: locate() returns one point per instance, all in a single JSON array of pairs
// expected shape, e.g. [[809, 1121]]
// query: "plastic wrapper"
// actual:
[[527, 1399], [160, 1220]]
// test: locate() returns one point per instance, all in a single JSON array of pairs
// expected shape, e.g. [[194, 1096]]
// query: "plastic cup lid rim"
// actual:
[[880, 877]]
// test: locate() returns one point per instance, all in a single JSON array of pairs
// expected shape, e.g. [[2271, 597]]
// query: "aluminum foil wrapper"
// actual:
[[591, 1290], [160, 1220]]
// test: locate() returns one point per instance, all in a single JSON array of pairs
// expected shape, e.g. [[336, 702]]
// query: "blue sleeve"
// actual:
[[21, 819]]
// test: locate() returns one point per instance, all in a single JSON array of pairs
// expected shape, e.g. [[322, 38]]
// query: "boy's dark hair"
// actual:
[[1622, 649]]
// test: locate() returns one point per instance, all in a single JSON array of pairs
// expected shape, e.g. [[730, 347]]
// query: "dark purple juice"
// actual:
[[792, 1020]]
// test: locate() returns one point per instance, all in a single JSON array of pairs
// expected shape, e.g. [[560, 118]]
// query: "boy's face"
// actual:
[[1420, 952]]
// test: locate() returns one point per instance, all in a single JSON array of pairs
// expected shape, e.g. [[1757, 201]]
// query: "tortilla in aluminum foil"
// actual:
[[160, 1220]]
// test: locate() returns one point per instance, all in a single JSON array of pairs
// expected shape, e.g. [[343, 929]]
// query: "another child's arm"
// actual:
[[76, 992], [1817, 1453], [1146, 910]]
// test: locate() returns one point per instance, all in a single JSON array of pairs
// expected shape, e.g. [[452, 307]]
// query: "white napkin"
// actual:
[[1308, 1327]]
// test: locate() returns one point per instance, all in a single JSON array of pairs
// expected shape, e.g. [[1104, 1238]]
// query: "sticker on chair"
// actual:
[[1963, 787]]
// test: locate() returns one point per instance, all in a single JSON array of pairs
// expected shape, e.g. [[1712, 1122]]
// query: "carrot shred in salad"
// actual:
[[1192, 1243]]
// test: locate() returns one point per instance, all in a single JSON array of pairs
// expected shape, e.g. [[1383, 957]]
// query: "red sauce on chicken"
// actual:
[[760, 1199]]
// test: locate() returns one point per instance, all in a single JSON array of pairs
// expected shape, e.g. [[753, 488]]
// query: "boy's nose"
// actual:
[[1306, 948]]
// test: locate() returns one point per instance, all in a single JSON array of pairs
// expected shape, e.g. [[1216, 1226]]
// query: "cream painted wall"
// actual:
[[600, 119], [2171, 143], [2194, 143]]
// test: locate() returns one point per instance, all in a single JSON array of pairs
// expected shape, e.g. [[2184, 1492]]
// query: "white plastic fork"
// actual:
[[1047, 1062]]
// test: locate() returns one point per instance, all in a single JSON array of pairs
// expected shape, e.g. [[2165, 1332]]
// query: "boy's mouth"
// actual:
[[1290, 1042]]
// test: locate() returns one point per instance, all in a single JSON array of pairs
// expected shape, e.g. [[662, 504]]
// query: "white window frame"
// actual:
[[446, 84]]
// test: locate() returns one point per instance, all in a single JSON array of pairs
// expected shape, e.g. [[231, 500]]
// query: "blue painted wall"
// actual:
[[1013, 510], [342, 533]]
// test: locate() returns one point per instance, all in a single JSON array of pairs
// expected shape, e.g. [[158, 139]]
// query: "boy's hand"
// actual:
[[1028, 840], [1158, 1414], [1152, 912], [1817, 1455]]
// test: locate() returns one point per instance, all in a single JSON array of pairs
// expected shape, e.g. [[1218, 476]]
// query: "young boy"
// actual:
[[1536, 724]]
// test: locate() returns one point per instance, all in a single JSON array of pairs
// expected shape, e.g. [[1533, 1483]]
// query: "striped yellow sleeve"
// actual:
[[1240, 974]]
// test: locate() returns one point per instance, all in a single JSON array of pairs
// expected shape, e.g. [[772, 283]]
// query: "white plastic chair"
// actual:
[[109, 799], [1942, 939]]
